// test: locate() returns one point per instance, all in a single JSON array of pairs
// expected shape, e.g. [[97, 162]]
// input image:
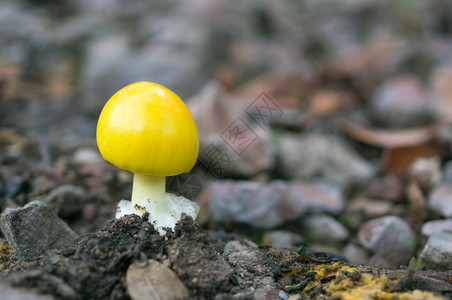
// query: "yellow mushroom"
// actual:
[[147, 129]]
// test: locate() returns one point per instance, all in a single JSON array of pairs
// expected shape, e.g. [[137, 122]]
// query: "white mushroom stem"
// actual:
[[147, 187], [148, 195]]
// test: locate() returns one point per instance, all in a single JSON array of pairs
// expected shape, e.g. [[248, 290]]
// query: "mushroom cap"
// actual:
[[146, 128]]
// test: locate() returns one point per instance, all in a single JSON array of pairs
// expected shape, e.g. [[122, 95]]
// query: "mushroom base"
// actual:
[[165, 212]]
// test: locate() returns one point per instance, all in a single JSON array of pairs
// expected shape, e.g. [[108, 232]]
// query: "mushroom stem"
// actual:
[[147, 187]]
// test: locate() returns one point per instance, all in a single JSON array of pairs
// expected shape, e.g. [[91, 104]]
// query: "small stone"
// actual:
[[86, 156], [427, 171], [89, 162], [402, 102], [153, 281], [388, 188], [239, 246], [33, 229], [283, 239], [432, 227], [440, 200], [42, 185], [10, 293], [370, 208], [437, 252], [66, 200], [312, 197], [246, 256], [252, 265], [355, 254], [243, 253], [12, 183], [325, 156], [389, 237], [282, 295], [324, 229], [253, 203], [447, 173]]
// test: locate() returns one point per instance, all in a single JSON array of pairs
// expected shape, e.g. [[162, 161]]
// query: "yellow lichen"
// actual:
[[4, 249], [349, 283]]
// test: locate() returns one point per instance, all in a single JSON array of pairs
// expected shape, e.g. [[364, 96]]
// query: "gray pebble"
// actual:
[[447, 173], [324, 229], [432, 227], [252, 265], [87, 156], [440, 200], [9, 293], [401, 102], [33, 229], [253, 203], [437, 252], [355, 254], [389, 237], [283, 239], [66, 200], [311, 156], [312, 197], [271, 204]]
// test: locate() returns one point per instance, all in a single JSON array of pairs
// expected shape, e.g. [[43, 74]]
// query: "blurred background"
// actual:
[[56, 54], [334, 109]]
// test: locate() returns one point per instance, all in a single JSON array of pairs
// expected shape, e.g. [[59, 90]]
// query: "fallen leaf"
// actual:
[[389, 138], [400, 158], [153, 281]]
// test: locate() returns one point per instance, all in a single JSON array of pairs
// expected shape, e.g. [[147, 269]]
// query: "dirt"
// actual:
[[95, 268]]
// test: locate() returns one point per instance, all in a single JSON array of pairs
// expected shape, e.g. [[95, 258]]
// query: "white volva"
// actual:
[[148, 195]]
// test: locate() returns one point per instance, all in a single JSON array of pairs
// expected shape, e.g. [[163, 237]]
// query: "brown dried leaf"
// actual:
[[154, 281], [386, 138], [399, 159]]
